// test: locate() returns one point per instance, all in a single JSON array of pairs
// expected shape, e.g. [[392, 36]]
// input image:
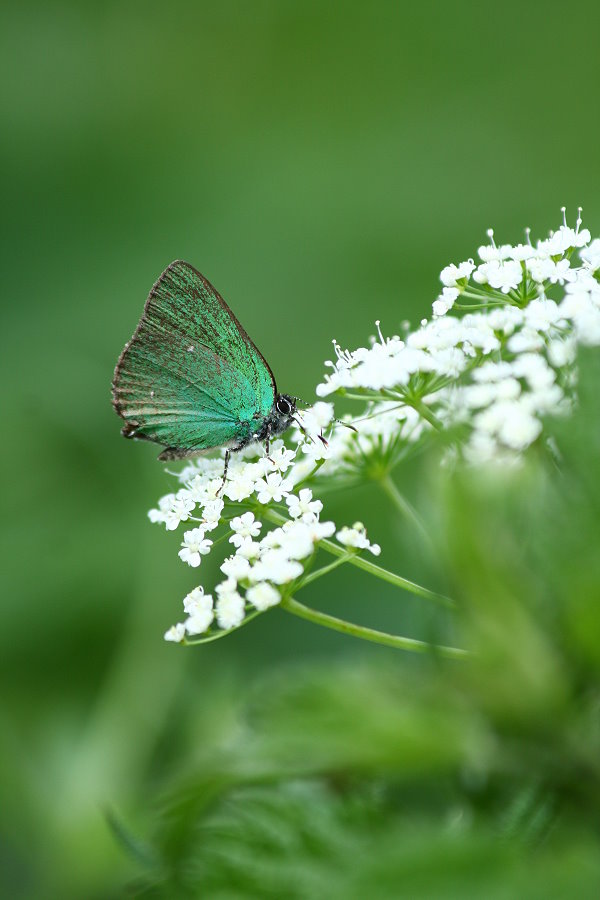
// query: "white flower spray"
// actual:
[[497, 357]]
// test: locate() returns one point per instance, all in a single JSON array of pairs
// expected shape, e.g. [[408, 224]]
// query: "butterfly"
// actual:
[[191, 379]]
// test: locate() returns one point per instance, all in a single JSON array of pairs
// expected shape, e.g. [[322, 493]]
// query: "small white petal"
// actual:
[[262, 596]]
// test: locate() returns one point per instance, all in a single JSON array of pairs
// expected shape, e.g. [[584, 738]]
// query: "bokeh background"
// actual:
[[320, 163]]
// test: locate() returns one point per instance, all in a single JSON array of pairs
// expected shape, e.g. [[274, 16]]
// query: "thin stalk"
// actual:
[[324, 570], [404, 507], [487, 302], [425, 412], [488, 292], [469, 307], [369, 634], [369, 396], [367, 566]]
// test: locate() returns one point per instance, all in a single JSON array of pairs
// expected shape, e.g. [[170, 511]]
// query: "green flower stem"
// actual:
[[488, 292], [486, 297], [425, 412], [367, 566], [482, 304], [223, 537], [368, 634], [469, 307], [324, 570], [368, 395], [404, 507]]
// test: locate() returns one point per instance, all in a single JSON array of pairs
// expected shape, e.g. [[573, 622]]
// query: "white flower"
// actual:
[[525, 340], [194, 547], [504, 276], [212, 489], [512, 422], [519, 428], [316, 450], [564, 239], [211, 514], [492, 371], [262, 596], [451, 274], [272, 538], [230, 610], [522, 252], [297, 540], [279, 459], [197, 488], [244, 526], [175, 633], [200, 621], [226, 587], [357, 537], [591, 255], [541, 314], [273, 487], [534, 369], [562, 351], [179, 511], [321, 530], [197, 601], [239, 487], [445, 301], [249, 549], [303, 506], [164, 505], [236, 567], [317, 418], [548, 270], [274, 565], [490, 252]]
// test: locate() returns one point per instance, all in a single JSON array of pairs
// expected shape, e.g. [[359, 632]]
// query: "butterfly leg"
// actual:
[[227, 456], [268, 443]]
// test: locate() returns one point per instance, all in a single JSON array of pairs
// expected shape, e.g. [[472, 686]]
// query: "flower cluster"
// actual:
[[263, 566], [497, 355], [495, 358]]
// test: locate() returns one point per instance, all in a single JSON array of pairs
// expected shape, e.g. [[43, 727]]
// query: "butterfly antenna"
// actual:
[[301, 401], [308, 436], [337, 421], [345, 424]]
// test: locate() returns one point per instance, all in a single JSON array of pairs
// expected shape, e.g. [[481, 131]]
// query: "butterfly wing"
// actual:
[[190, 378]]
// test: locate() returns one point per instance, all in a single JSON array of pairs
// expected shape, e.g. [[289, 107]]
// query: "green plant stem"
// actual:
[[404, 507], [425, 412], [324, 570], [368, 566], [369, 634]]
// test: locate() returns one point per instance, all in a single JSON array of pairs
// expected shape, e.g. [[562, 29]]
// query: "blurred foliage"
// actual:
[[320, 163], [461, 779]]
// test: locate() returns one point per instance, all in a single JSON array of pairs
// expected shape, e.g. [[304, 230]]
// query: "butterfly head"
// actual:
[[282, 413]]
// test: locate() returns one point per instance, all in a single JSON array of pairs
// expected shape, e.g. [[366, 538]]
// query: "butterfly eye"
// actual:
[[284, 406]]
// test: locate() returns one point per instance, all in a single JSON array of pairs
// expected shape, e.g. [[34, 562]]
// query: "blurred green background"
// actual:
[[320, 163]]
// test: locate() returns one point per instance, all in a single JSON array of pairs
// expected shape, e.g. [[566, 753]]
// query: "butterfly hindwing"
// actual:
[[191, 378]]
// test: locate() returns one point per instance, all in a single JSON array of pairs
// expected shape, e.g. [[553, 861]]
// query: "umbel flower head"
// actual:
[[495, 358]]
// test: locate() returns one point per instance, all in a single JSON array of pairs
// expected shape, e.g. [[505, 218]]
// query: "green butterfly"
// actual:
[[191, 379]]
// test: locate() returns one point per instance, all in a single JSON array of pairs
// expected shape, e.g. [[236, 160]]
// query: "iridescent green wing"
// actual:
[[190, 378]]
